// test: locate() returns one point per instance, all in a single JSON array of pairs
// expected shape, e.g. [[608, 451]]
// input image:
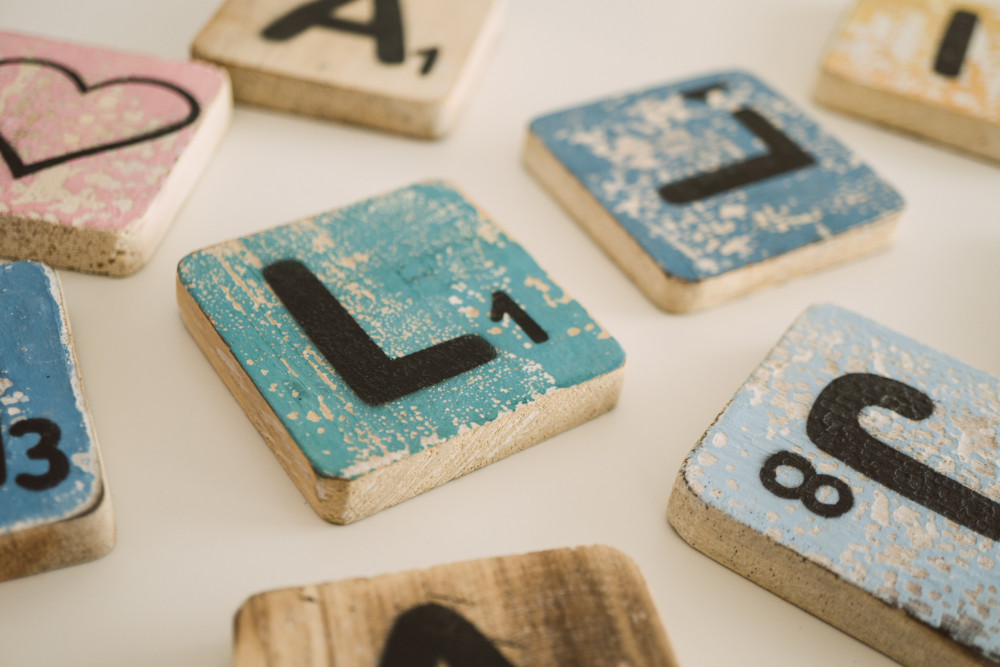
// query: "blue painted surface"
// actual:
[[414, 268], [39, 379], [899, 551], [624, 149]]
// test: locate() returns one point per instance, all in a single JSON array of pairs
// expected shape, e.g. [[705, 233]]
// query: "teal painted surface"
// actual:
[[623, 149], [894, 548], [39, 380], [414, 268]]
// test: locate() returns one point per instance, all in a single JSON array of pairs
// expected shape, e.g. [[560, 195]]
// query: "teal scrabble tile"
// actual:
[[707, 189], [56, 510], [586, 607], [855, 475], [387, 347]]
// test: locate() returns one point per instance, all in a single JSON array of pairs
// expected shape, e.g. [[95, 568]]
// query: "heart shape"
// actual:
[[19, 167]]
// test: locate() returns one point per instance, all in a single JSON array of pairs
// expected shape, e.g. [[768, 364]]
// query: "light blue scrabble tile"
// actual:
[[636, 155], [51, 471], [874, 458], [414, 268]]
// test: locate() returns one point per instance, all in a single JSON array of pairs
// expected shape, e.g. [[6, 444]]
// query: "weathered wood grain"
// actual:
[[854, 474], [56, 510], [100, 149], [415, 371], [573, 607], [928, 67], [406, 66], [707, 189]]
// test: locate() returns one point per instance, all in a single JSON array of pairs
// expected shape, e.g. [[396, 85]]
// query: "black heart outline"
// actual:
[[18, 168]]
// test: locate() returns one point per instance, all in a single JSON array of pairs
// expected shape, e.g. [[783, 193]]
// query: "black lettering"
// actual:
[[955, 43], [45, 450], [807, 491], [428, 635], [386, 26], [782, 157], [369, 372], [504, 305], [833, 426], [430, 57], [19, 168]]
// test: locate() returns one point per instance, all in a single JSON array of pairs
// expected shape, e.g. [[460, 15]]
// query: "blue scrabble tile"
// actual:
[[855, 474], [709, 188], [55, 510], [387, 347]]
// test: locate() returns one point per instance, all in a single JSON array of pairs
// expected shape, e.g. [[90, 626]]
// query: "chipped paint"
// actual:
[[892, 547]]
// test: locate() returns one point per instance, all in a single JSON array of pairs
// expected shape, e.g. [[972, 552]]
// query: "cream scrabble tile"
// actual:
[[401, 65], [855, 475], [387, 347], [707, 189], [55, 508], [930, 67], [99, 149], [583, 607]]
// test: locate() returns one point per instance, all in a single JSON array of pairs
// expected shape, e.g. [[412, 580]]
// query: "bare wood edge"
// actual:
[[317, 98], [673, 294], [80, 538], [121, 253], [890, 630], [252, 611], [923, 119], [344, 501]]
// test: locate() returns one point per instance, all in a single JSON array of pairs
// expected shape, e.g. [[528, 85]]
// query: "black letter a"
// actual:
[[386, 27]]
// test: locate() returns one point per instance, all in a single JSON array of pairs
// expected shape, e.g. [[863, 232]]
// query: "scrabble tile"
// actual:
[[930, 67], [387, 347], [855, 475], [400, 65], [99, 150], [710, 188], [585, 607], [56, 510]]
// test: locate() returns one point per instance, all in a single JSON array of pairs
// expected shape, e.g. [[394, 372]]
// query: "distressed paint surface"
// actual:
[[892, 45], [624, 149], [414, 268], [39, 379], [43, 115], [906, 555]]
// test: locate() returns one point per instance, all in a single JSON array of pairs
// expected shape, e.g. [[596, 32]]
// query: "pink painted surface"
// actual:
[[45, 117]]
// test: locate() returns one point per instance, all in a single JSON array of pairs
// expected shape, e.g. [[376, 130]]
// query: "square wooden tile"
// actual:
[[401, 65], [387, 347], [855, 475], [584, 607], [708, 189], [99, 150], [930, 67], [56, 510]]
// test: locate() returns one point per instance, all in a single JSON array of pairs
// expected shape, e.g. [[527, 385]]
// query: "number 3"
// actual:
[[46, 449]]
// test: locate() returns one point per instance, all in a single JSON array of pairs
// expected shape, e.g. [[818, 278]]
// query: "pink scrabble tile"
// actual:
[[99, 150]]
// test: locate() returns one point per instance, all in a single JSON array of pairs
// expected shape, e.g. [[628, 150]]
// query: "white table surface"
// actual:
[[206, 516]]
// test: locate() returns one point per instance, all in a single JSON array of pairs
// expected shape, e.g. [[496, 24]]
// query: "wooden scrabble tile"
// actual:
[[100, 149], [56, 510], [710, 188], [855, 475], [399, 65], [931, 67], [587, 606], [385, 348]]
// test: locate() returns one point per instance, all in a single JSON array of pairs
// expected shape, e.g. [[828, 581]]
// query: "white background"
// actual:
[[206, 516]]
